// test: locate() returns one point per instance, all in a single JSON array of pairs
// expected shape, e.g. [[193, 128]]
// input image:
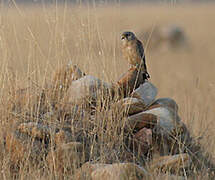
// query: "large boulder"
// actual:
[[167, 176], [85, 88], [147, 92], [167, 120], [165, 102], [165, 125], [117, 171], [174, 162]]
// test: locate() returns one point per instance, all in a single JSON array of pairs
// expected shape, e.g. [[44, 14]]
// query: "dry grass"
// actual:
[[35, 41]]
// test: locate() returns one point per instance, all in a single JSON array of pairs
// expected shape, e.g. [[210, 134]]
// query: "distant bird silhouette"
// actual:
[[133, 51]]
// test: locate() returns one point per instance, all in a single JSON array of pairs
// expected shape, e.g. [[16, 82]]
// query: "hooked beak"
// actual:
[[122, 37]]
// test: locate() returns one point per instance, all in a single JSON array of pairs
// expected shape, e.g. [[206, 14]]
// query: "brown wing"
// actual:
[[142, 55], [140, 49]]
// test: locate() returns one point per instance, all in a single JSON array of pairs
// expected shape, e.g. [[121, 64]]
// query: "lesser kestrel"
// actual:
[[133, 51]]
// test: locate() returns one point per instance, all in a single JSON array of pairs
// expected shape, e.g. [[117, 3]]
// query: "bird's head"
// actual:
[[128, 36]]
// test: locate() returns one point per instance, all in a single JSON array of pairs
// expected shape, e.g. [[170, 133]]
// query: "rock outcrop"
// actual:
[[80, 121]]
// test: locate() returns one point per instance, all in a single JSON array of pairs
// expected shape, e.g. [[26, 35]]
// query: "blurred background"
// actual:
[[106, 1]]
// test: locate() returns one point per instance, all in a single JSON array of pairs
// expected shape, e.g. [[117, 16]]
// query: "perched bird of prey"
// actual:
[[133, 51]]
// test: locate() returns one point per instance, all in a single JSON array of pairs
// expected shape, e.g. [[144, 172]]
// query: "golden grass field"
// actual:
[[35, 41]]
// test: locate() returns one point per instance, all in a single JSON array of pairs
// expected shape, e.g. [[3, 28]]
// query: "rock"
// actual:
[[84, 173], [141, 120], [169, 129], [85, 88], [174, 162], [143, 140], [66, 157], [131, 105], [167, 120], [146, 92], [130, 81], [166, 102], [117, 171], [167, 177], [165, 125]]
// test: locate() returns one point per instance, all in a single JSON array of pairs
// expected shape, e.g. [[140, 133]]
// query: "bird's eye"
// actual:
[[123, 37]]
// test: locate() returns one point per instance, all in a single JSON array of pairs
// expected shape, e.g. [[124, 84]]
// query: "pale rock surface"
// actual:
[[87, 87], [167, 102], [167, 120], [162, 176], [147, 92], [117, 171], [175, 162]]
